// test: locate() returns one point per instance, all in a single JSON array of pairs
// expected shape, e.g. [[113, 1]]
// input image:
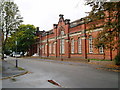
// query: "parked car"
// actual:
[[5, 56], [17, 55], [11, 55], [35, 54]]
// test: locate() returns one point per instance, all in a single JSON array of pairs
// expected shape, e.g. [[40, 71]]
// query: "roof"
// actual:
[[76, 23]]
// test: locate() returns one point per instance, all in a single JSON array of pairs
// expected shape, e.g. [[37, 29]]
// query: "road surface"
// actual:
[[66, 75]]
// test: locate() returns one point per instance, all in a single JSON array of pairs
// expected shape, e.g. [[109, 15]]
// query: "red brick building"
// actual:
[[71, 39]]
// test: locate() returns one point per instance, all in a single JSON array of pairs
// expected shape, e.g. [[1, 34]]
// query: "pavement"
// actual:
[[9, 70]]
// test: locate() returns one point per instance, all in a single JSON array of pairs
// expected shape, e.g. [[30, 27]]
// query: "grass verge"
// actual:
[[99, 60]]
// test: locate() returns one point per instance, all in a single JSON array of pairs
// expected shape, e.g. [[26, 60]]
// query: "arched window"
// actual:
[[45, 48], [79, 45], [50, 48], [101, 50], [62, 33], [72, 46], [62, 49], [54, 48], [90, 44]]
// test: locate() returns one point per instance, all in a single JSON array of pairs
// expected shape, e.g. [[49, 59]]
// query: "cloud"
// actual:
[[44, 13]]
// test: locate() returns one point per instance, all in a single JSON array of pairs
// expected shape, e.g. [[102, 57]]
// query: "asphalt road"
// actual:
[[66, 75]]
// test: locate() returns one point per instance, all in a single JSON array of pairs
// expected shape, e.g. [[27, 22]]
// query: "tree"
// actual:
[[25, 37], [109, 13], [10, 19]]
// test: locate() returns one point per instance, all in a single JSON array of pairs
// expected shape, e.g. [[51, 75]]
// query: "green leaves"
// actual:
[[25, 36], [10, 19], [109, 15]]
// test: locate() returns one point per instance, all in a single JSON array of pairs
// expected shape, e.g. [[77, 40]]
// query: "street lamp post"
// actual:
[[16, 56]]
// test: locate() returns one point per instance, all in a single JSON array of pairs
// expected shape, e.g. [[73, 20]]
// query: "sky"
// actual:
[[45, 13]]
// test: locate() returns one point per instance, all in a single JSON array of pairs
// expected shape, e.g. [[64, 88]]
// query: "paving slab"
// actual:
[[9, 70]]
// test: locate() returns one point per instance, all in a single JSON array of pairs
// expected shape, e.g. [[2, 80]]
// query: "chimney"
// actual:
[[61, 15], [54, 26], [67, 21]]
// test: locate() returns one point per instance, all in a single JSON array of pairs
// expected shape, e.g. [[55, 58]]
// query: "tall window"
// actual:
[[72, 46], [62, 49], [43, 49], [38, 48], [54, 47], [101, 50], [79, 45], [46, 49], [50, 48], [90, 44]]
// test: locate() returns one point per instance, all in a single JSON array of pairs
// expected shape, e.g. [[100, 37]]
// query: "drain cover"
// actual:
[[54, 83]]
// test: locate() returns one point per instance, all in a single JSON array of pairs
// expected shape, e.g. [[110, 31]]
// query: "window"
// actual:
[[54, 48], [101, 50], [72, 46], [50, 48], [79, 45], [46, 49], [38, 48], [43, 49], [90, 45], [62, 49], [62, 33]]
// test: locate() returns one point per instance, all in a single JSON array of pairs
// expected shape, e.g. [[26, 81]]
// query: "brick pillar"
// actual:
[[84, 42], [84, 48], [67, 39], [58, 47], [47, 54], [56, 41], [67, 48]]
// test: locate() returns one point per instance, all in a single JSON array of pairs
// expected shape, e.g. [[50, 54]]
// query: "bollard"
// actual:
[[16, 63], [61, 59], [88, 60]]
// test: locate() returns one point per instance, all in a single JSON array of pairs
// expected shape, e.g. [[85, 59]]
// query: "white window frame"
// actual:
[[90, 44], [72, 46], [62, 43], [54, 47], [79, 45], [50, 48], [62, 46], [62, 33], [45, 48]]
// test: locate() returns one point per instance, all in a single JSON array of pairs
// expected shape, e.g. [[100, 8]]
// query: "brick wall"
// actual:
[[72, 31]]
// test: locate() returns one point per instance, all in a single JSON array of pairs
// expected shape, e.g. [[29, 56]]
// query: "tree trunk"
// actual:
[[3, 46]]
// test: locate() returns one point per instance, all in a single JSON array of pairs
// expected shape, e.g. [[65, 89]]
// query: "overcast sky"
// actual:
[[45, 13]]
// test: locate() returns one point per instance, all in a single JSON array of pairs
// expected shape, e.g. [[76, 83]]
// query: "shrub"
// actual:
[[117, 59]]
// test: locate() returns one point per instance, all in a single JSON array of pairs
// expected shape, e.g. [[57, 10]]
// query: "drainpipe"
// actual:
[[55, 27], [85, 39], [41, 45]]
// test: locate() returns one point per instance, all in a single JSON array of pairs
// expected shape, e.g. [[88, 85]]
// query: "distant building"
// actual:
[[71, 40]]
